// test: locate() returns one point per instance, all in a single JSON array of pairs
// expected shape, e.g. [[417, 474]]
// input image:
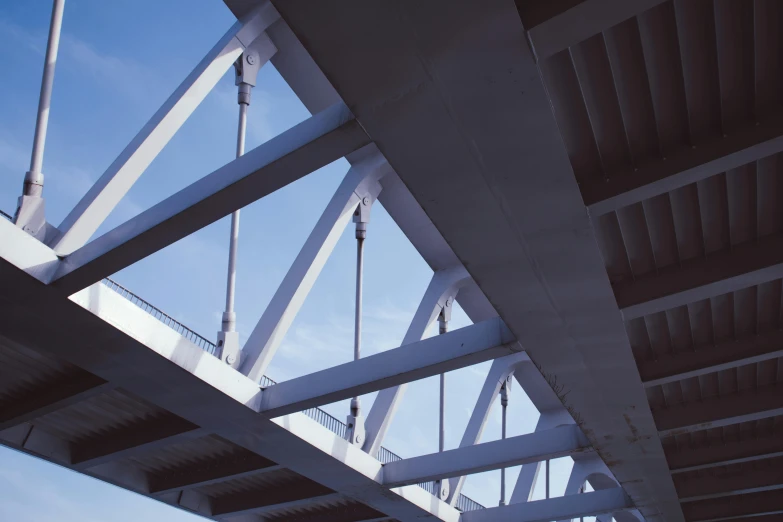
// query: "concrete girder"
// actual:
[[704, 360], [444, 284], [730, 480], [740, 407], [361, 181], [457, 349], [134, 440], [743, 266], [560, 508], [684, 168], [221, 470], [522, 449], [734, 507], [580, 22], [189, 500], [31, 439], [85, 218], [745, 450], [53, 397], [270, 500], [315, 142], [345, 512]]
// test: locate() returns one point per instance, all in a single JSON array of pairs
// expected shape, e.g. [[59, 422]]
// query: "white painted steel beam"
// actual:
[[583, 20], [82, 222], [444, 285], [523, 489], [593, 470], [527, 240], [523, 449], [457, 349], [553, 414], [747, 265], [684, 168], [24, 252], [319, 140], [360, 181], [560, 508], [746, 450], [129, 347], [732, 409], [708, 359], [499, 372]]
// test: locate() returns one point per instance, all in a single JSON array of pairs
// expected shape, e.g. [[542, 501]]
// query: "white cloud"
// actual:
[[35, 42], [130, 78]]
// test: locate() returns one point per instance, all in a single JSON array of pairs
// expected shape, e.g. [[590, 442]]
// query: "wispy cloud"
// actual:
[[123, 75], [33, 41], [128, 77]]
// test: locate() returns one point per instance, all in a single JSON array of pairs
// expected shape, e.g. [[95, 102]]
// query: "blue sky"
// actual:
[[118, 62]]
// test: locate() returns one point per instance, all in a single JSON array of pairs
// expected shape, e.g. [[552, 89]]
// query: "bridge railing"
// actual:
[[200, 341], [331, 423]]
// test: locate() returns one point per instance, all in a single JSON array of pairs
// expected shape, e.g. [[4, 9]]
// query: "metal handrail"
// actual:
[[199, 340], [331, 423]]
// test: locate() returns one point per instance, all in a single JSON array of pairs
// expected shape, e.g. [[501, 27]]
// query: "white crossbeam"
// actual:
[[85, 218], [500, 370], [444, 285], [360, 181], [528, 475], [464, 347], [560, 508], [743, 266], [319, 140], [523, 449], [583, 20], [745, 406], [685, 167], [703, 360]]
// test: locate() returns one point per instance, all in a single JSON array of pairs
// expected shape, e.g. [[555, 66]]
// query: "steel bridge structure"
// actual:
[[597, 183]]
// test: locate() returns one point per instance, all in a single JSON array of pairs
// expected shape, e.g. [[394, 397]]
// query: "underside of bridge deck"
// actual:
[[605, 176], [663, 120]]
